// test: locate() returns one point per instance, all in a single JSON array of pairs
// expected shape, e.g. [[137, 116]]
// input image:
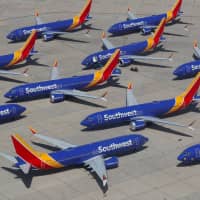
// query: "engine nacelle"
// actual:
[[111, 162], [116, 72], [56, 98], [146, 31], [48, 37], [123, 62], [137, 125]]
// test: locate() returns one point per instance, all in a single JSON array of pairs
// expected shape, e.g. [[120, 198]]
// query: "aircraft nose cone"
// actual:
[[10, 36], [21, 109], [8, 95], [111, 30], [181, 157], [84, 123], [179, 71], [85, 62], [145, 140]]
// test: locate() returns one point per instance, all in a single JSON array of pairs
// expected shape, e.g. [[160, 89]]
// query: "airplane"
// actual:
[[189, 69], [128, 52], [190, 155], [145, 24], [138, 115], [96, 157], [48, 31], [24, 53], [58, 88], [10, 112]]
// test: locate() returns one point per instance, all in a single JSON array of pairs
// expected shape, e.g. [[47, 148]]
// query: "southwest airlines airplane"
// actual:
[[189, 69], [58, 88], [7, 61], [139, 114], [49, 30], [146, 24], [128, 52], [9, 112], [97, 156]]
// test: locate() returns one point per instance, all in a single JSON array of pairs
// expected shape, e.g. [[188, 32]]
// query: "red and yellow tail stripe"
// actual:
[[153, 41], [80, 19], [23, 53], [37, 159], [104, 73], [186, 97], [172, 14]]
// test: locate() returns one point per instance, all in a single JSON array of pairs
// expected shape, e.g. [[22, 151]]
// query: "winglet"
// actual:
[[103, 35], [33, 131], [103, 96], [195, 43], [55, 63], [129, 8], [36, 13], [130, 86]]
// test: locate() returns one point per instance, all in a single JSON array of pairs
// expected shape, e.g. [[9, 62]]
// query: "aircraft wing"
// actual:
[[130, 98], [38, 20], [13, 73], [134, 57], [55, 72], [161, 121], [106, 43], [53, 141], [98, 166], [131, 16], [78, 93]]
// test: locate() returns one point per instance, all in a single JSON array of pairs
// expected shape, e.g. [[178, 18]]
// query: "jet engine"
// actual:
[[56, 98], [137, 125], [48, 37], [146, 30], [111, 162], [125, 61]]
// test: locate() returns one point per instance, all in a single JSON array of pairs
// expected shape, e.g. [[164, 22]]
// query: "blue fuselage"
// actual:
[[10, 112], [102, 57], [187, 70], [21, 34], [44, 88], [127, 114], [136, 24]]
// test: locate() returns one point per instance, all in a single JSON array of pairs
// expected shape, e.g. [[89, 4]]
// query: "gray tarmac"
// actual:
[[149, 174]]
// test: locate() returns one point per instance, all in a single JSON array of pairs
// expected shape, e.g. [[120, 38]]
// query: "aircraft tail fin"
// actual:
[[191, 90], [28, 47], [111, 64], [26, 152], [155, 39], [105, 72], [83, 16], [175, 10]]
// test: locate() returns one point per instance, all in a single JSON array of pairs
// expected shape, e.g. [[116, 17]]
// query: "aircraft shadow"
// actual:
[[152, 65], [168, 130], [190, 164], [70, 39], [175, 34], [14, 119], [46, 146], [2, 78]]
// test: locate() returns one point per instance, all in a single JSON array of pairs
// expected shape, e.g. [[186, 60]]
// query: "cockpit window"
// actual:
[[94, 59], [90, 119]]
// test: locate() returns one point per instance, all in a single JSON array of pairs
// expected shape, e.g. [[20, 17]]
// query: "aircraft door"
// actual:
[[197, 152], [99, 119]]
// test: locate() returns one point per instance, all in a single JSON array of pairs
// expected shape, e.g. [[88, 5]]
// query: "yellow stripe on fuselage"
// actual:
[[179, 101], [16, 57], [96, 79], [150, 43], [169, 16], [75, 23]]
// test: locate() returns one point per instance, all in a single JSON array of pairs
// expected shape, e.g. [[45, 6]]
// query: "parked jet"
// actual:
[[190, 155], [145, 24], [97, 156], [57, 88], [139, 114], [128, 52], [9, 112], [189, 69], [7, 61], [49, 30]]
